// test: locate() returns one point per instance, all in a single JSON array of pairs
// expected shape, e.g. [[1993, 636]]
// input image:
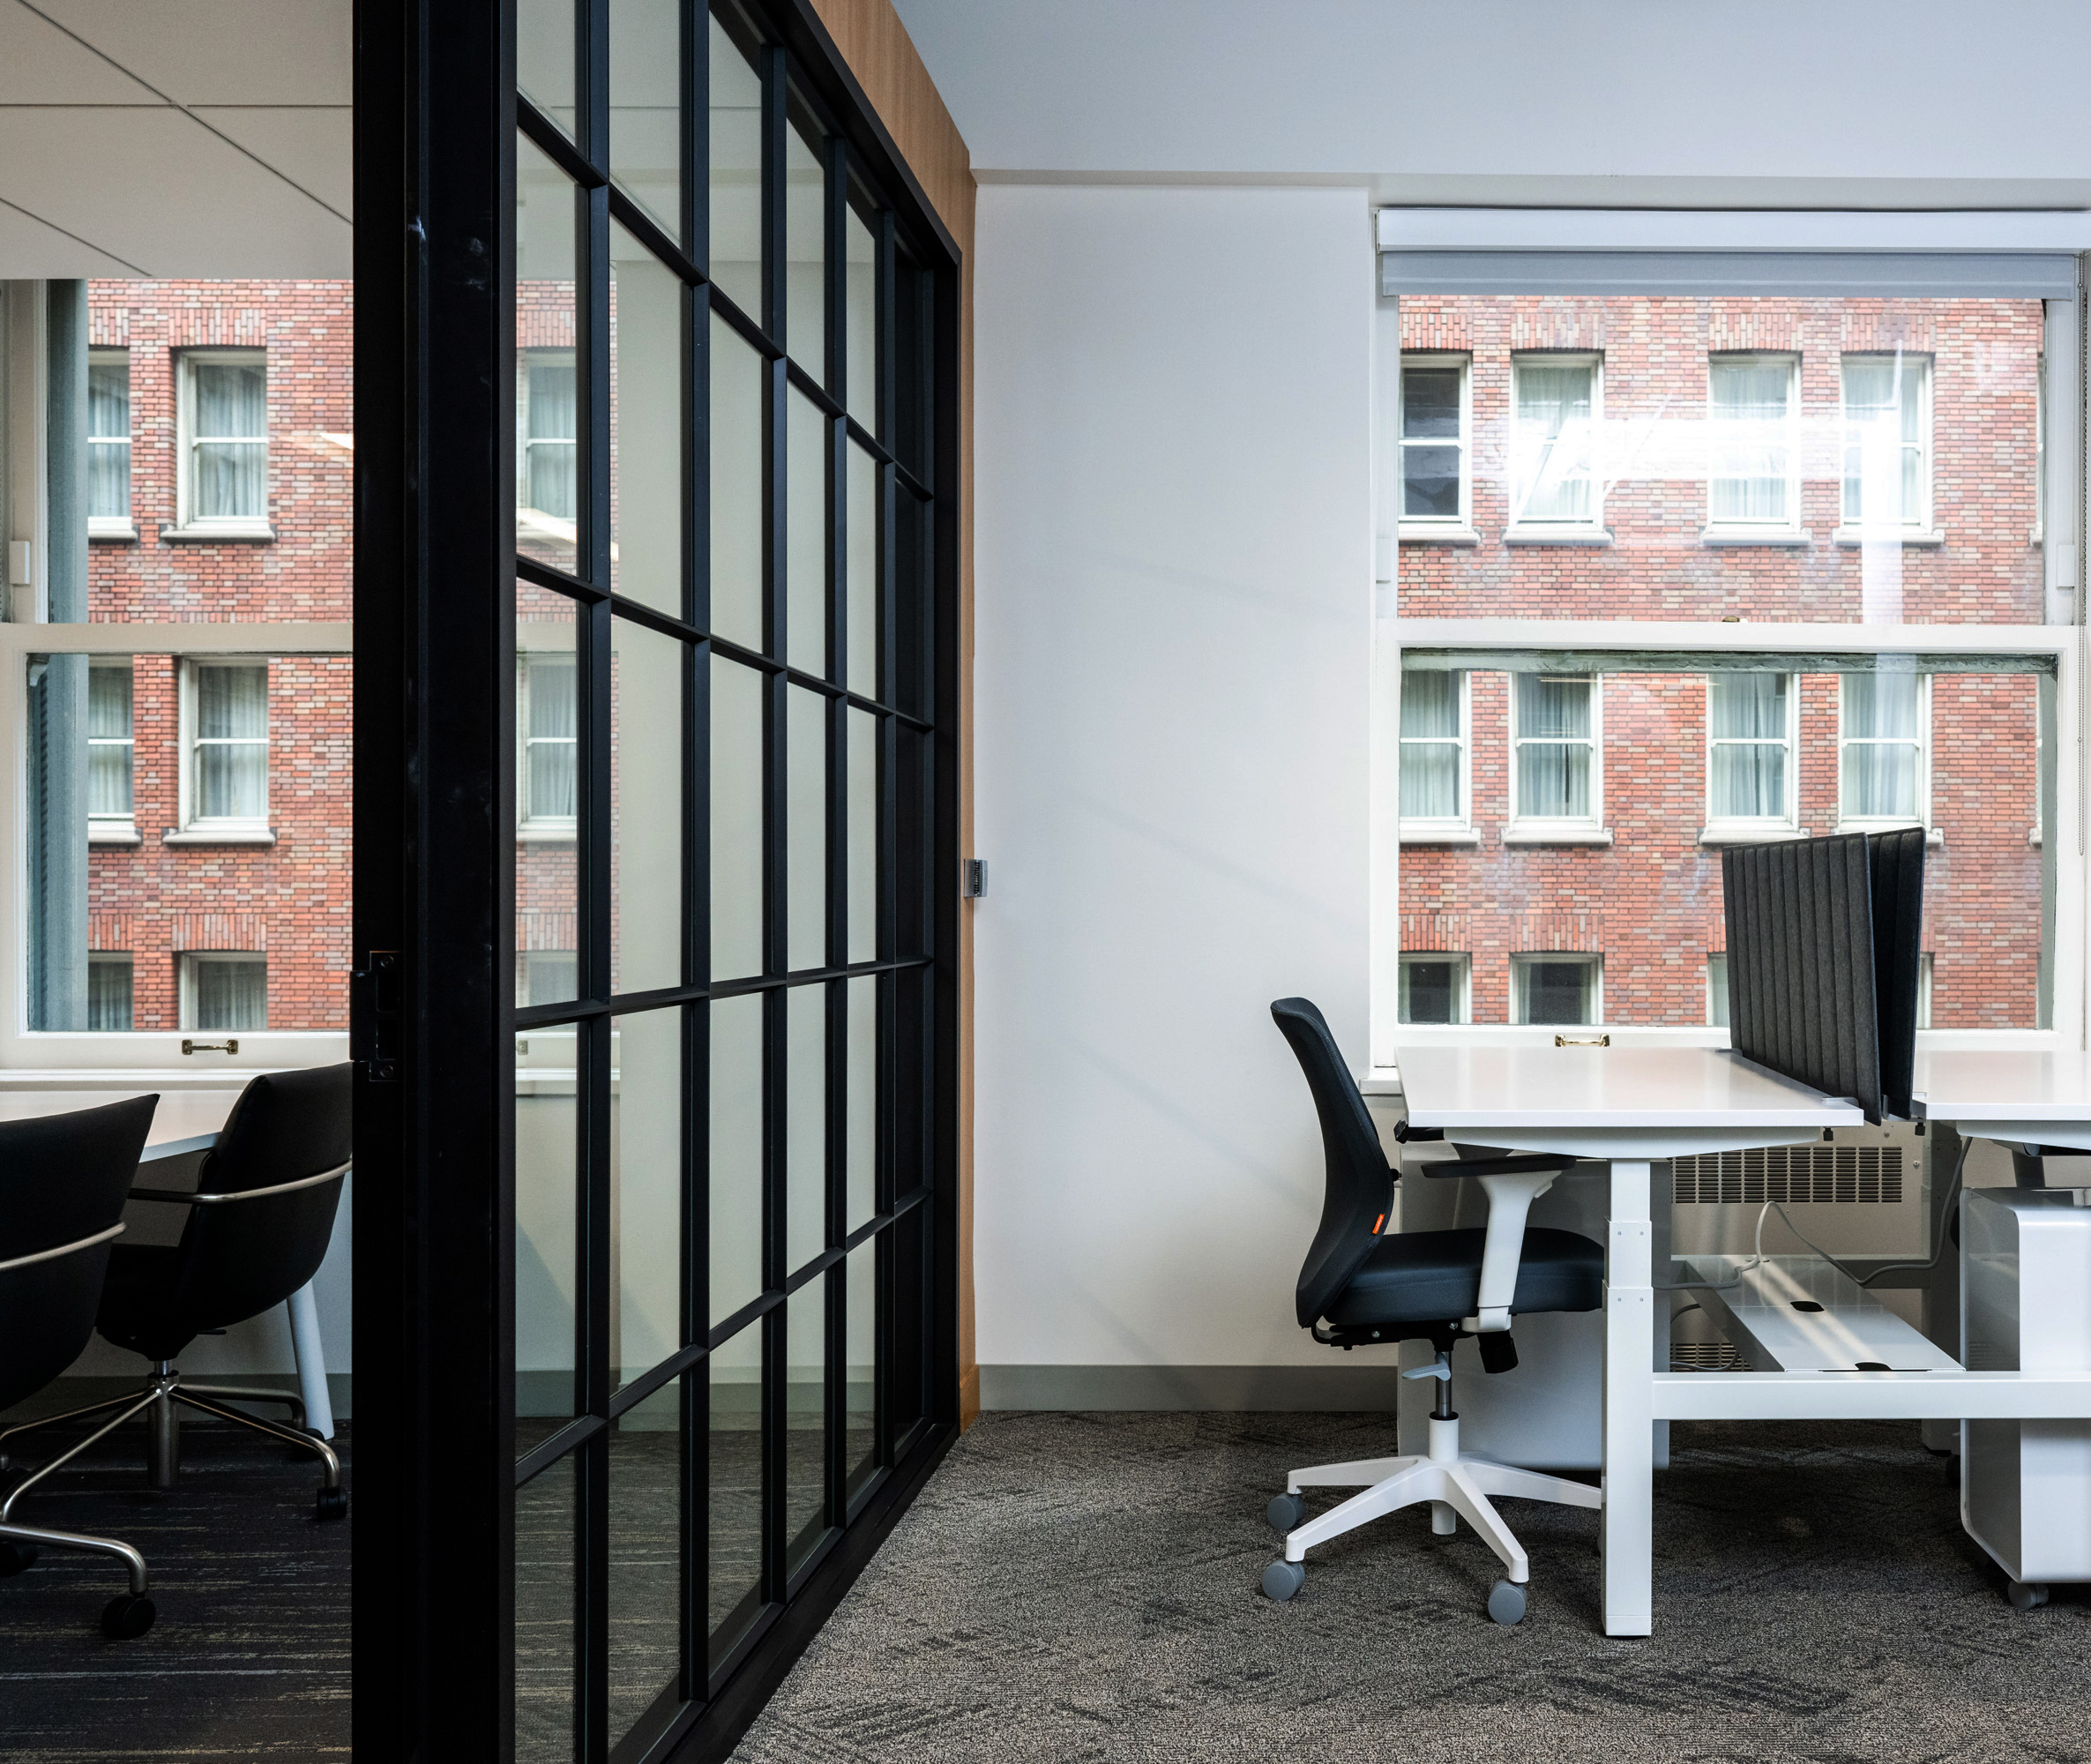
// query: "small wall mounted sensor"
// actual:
[[973, 878]]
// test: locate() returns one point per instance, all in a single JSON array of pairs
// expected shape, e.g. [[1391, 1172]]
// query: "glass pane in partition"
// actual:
[[733, 1594], [737, 878], [860, 1125], [806, 434], [864, 521], [806, 877], [739, 385], [733, 1183], [1587, 887], [645, 427], [646, 748], [547, 1529], [547, 1237], [861, 732], [175, 809], [805, 242], [548, 391], [735, 167], [645, 1565], [805, 1124], [647, 1061], [860, 1367], [546, 42], [860, 317], [646, 108], [548, 791], [805, 1419]]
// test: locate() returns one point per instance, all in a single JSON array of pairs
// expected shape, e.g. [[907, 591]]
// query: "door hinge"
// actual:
[[374, 1016]]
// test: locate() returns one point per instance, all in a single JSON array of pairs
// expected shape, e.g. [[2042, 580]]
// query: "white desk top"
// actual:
[[185, 1120], [1995, 1087], [1618, 1087]]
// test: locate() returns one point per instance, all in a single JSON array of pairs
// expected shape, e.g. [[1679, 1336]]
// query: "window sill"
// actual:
[[104, 529], [259, 533], [1755, 536], [1933, 836], [1595, 536], [114, 833], [1410, 533], [1747, 835], [1539, 834], [1427, 835], [537, 836], [1908, 538], [210, 836]]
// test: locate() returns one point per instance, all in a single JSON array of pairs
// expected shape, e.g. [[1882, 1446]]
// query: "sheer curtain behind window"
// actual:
[[1747, 718], [553, 727], [108, 437], [232, 995], [1883, 745], [550, 442], [1553, 442], [1553, 747], [1429, 745], [231, 459], [108, 741], [232, 753], [1750, 440]]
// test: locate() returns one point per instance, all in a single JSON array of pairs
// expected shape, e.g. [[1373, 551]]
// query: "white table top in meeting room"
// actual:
[[1644, 1102], [185, 1121]]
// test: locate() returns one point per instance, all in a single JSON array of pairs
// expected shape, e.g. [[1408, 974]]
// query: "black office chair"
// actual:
[[1361, 1286], [258, 1231], [62, 1183]]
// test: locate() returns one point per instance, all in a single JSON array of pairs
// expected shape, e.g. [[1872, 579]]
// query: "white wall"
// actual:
[[1173, 614]]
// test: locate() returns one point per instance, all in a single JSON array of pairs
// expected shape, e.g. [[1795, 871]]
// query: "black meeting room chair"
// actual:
[[1362, 1286], [257, 1230], [63, 1179]]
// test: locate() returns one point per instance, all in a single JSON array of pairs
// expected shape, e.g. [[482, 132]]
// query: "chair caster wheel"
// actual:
[[1506, 1601], [2027, 1595], [16, 1559], [1283, 1579], [1285, 1512], [331, 1503], [127, 1617]]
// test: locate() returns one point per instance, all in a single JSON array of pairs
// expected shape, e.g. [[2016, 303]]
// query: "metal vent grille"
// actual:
[[1835, 1174], [1706, 1356]]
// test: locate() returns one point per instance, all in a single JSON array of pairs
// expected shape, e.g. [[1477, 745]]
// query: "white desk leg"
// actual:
[[305, 1342], [1629, 1400]]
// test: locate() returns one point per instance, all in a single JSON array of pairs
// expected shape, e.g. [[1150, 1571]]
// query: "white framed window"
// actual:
[[547, 738], [1557, 786], [224, 793], [1435, 747], [1883, 750], [1754, 405], [1717, 990], [108, 444], [222, 455], [1556, 413], [223, 990], [110, 751], [1557, 988], [547, 976], [1434, 987], [1886, 431], [548, 436], [1436, 423], [1752, 730], [108, 990]]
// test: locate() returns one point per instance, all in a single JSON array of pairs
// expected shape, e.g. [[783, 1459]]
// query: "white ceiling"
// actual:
[[175, 137]]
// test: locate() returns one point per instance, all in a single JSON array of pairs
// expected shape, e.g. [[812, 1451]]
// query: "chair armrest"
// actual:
[[187, 1197], [1511, 1183], [184, 1196]]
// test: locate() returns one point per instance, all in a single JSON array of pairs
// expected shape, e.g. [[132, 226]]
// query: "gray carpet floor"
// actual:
[[1084, 1586]]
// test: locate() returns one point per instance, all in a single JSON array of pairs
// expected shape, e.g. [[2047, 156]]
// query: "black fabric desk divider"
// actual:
[[1822, 961]]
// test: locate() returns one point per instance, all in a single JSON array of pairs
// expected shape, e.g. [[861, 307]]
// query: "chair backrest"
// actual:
[[245, 1257], [1360, 1186], [62, 1178]]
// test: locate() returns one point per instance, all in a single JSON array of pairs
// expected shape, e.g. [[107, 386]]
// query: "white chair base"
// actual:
[[1457, 1488]]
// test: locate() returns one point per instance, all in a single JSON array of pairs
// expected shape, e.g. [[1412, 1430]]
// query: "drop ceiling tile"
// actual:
[[41, 64], [33, 251], [311, 145], [224, 51]]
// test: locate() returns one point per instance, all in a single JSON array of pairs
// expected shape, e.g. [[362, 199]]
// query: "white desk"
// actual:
[[1630, 1105], [187, 1121]]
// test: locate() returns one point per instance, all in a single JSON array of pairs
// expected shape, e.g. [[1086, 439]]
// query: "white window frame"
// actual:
[[1850, 823], [187, 524], [1446, 829], [115, 829], [1713, 956], [1456, 529], [116, 526], [1462, 980], [1729, 529], [186, 962], [1917, 527], [1739, 829], [1525, 829], [192, 827], [1592, 962], [1522, 529], [530, 826]]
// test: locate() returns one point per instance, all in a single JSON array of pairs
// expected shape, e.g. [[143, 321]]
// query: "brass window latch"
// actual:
[[189, 1046], [1582, 1040]]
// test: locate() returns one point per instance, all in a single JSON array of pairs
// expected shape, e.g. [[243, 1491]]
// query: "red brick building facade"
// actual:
[[1645, 540]]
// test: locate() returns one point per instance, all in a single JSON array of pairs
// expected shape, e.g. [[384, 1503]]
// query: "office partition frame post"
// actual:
[[433, 1013]]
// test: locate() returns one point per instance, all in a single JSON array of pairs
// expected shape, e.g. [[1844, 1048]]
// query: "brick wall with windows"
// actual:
[[1631, 398]]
